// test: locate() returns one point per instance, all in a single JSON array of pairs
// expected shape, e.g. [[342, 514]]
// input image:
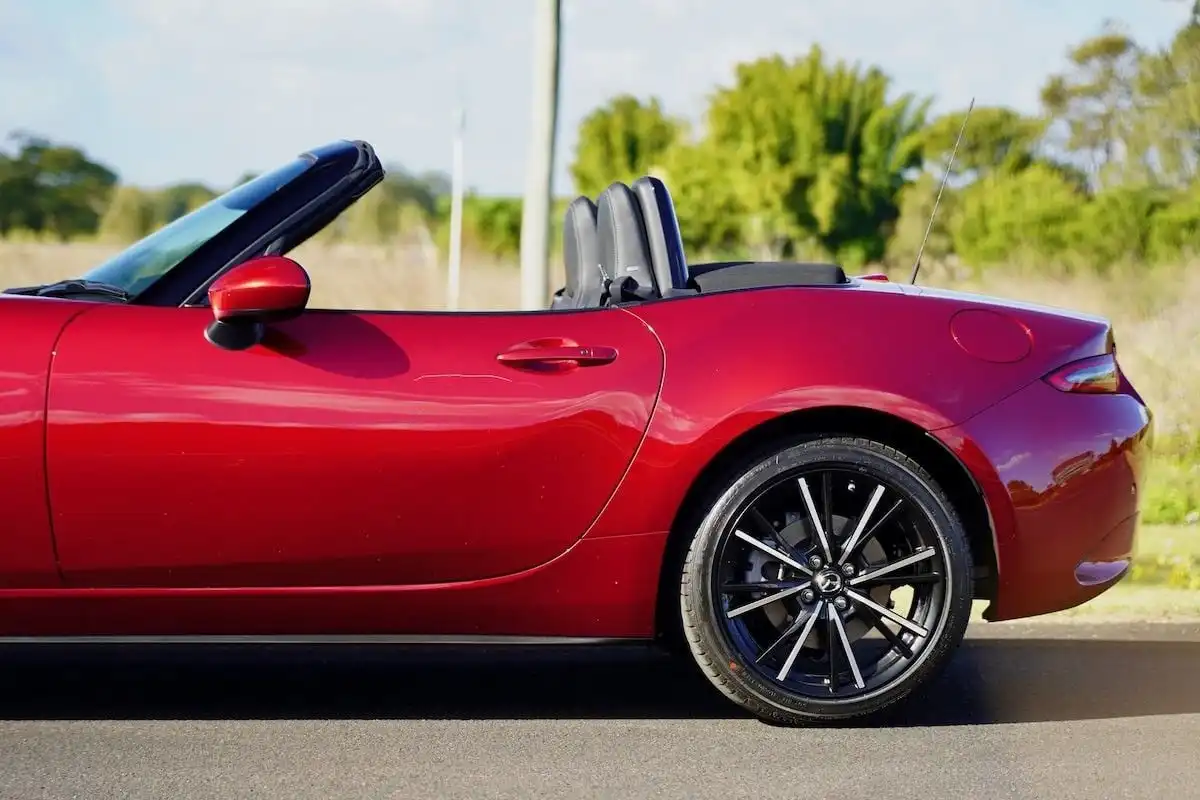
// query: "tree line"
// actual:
[[802, 157]]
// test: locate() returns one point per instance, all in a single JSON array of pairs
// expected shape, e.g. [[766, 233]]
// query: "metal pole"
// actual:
[[535, 215], [454, 272]]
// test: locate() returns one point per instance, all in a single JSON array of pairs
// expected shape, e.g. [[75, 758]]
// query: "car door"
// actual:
[[345, 449]]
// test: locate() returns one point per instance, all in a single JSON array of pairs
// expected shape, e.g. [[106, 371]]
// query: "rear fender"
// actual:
[[737, 360]]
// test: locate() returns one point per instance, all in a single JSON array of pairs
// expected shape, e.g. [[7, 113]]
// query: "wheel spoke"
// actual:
[[816, 520], [920, 555], [761, 586], [772, 598], [766, 531], [852, 542], [836, 619], [831, 650], [756, 519], [827, 506], [797, 624], [924, 579], [849, 552], [808, 626], [862, 599], [878, 624], [766, 548]]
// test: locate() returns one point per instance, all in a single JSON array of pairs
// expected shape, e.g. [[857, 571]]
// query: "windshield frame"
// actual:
[[126, 269]]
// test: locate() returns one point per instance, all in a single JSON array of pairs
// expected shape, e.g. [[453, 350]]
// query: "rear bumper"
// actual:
[[1062, 477]]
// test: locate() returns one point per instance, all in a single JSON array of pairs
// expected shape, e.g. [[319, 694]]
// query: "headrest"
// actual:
[[662, 232], [581, 253], [624, 248]]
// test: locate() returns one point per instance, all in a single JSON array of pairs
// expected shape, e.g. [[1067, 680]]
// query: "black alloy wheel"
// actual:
[[826, 582]]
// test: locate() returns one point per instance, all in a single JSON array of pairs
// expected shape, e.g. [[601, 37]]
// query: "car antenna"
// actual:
[[937, 202]]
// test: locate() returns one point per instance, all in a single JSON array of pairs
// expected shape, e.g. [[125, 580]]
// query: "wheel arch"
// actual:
[[908, 437]]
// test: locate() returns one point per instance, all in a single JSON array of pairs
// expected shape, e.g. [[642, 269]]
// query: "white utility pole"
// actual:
[[539, 176], [454, 273]]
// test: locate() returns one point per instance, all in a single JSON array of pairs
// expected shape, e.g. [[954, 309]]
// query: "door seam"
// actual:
[[62, 578]]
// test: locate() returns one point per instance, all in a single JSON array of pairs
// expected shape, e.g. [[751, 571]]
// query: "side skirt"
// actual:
[[351, 639]]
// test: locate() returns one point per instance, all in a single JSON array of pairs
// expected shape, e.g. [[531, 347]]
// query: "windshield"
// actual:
[[152, 257]]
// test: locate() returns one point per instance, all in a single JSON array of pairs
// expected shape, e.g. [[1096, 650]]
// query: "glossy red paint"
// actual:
[[274, 286], [991, 335], [519, 473], [346, 449], [601, 588], [803, 349], [29, 328], [1061, 473]]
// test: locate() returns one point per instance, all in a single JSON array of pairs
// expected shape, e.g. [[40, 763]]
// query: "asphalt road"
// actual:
[[1025, 711]]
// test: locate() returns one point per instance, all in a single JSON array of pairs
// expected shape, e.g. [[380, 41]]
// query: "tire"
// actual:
[[739, 637]]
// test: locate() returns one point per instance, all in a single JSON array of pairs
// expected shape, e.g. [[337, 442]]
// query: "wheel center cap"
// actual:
[[828, 582]]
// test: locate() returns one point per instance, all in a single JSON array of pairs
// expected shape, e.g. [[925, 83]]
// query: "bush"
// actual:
[[1172, 491], [1175, 572]]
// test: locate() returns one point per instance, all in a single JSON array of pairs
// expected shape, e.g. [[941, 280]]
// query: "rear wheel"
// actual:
[[826, 582]]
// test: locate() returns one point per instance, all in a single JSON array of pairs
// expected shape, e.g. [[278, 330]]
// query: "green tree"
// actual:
[[1114, 226], [1029, 214], [374, 219], [423, 191], [172, 202], [996, 138], [817, 152], [1169, 88], [52, 188], [709, 210], [621, 141], [130, 215], [493, 224], [916, 205], [1174, 233], [1094, 102]]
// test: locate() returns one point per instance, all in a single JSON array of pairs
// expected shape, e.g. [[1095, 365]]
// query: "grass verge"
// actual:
[[1125, 602], [1172, 492], [1168, 556], [1163, 586]]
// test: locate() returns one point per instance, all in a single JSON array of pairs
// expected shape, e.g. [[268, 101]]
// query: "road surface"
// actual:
[[1025, 711]]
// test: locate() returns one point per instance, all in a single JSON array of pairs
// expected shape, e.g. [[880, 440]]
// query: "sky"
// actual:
[[169, 90]]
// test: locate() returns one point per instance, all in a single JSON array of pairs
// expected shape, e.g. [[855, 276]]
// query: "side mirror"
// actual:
[[252, 294]]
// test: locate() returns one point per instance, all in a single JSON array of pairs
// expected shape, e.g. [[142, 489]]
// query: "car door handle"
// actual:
[[571, 355]]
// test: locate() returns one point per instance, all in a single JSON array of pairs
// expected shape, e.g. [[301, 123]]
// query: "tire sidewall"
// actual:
[[701, 614]]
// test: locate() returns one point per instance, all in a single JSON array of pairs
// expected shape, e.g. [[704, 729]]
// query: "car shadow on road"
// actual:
[[989, 681], [995, 681]]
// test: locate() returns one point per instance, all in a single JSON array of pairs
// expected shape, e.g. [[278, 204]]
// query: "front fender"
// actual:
[[29, 328]]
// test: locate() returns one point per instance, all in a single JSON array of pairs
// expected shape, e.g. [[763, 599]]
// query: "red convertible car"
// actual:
[[799, 478]]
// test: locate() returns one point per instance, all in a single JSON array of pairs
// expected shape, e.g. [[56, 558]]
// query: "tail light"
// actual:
[[1095, 375]]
